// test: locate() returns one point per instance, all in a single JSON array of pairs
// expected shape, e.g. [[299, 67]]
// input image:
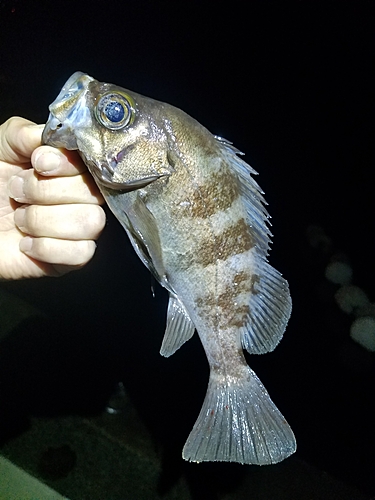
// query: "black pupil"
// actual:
[[114, 111]]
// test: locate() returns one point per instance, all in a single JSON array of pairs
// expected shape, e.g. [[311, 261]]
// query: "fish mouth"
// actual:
[[65, 114], [57, 135]]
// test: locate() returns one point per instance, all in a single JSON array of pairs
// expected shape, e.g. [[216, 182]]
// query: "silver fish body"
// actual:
[[196, 218]]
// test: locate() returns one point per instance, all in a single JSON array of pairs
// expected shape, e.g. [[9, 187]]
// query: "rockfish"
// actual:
[[196, 218]]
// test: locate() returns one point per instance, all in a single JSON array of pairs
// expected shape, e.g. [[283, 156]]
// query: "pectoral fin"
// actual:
[[141, 227], [146, 228]]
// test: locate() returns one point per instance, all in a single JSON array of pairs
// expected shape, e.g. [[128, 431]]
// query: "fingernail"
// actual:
[[15, 188], [46, 163], [26, 244], [19, 218]]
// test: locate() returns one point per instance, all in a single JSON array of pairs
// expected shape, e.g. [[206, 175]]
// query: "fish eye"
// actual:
[[114, 110]]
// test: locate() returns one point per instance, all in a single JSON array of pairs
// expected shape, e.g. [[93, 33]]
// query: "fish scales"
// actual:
[[220, 239], [196, 218]]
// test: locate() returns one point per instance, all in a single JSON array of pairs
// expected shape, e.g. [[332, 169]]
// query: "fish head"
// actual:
[[121, 135]]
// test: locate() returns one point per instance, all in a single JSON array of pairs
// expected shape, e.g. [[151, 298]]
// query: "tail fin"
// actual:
[[238, 422]]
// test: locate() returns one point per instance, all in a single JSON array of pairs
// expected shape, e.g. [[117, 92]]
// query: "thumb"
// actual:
[[18, 139]]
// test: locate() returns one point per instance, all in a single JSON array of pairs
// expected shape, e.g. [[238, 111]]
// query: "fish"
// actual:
[[197, 220]]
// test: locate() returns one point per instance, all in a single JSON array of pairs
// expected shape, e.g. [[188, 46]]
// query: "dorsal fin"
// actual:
[[270, 304], [257, 214]]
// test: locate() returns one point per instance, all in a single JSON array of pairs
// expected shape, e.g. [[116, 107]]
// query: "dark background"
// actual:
[[291, 84]]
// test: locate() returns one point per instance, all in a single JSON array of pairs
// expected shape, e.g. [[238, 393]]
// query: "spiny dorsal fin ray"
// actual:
[[258, 217]]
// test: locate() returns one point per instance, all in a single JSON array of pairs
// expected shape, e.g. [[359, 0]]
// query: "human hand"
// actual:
[[49, 212]]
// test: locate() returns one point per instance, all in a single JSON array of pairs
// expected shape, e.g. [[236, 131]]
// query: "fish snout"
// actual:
[[58, 134]]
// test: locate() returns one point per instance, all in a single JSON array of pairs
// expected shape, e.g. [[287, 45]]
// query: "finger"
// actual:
[[55, 251], [18, 139], [70, 222], [51, 161], [30, 187]]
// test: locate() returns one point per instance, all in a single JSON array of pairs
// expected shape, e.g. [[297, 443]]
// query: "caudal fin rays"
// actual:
[[239, 422]]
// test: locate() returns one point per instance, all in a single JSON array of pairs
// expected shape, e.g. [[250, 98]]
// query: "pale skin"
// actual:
[[50, 214]]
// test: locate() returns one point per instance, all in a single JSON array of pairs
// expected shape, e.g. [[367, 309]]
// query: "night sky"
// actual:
[[291, 85]]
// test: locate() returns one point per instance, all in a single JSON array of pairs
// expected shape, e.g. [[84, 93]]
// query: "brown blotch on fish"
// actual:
[[232, 313], [239, 317], [241, 277], [234, 240], [216, 195], [226, 300]]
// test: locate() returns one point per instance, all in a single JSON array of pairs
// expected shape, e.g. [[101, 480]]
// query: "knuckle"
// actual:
[[80, 252], [99, 218], [93, 220], [88, 251]]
